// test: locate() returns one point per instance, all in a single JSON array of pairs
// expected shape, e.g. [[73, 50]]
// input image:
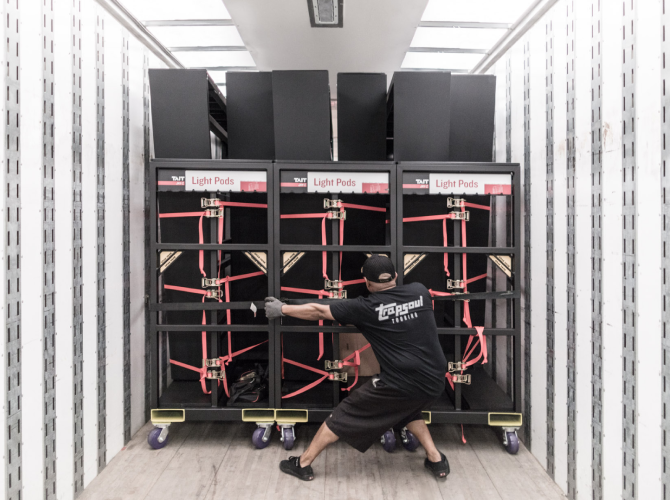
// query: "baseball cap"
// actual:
[[378, 269]]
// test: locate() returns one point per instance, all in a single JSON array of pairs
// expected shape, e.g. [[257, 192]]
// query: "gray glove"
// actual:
[[273, 308]]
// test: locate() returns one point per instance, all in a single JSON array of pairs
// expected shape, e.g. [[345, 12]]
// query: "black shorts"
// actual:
[[362, 418]]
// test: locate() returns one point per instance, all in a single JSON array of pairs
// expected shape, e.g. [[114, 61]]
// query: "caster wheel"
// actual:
[[257, 438], [511, 443], [154, 436], [409, 440], [288, 437], [388, 441]]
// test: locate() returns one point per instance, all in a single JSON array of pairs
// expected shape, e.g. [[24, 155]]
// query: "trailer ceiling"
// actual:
[[377, 36]]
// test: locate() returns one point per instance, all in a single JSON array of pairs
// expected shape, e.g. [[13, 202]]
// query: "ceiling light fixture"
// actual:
[[325, 13]]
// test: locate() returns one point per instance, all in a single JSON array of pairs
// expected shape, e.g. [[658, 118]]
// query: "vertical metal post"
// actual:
[[596, 250], [549, 145], [571, 152], [77, 248], [665, 234], [148, 374], [526, 245], [13, 248], [458, 275], [335, 267], [125, 206], [213, 337], [48, 248], [100, 208], [629, 259]]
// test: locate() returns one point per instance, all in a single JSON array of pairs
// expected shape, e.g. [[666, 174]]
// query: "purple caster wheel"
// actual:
[[388, 441], [158, 437], [409, 440], [288, 437], [511, 442], [261, 437]]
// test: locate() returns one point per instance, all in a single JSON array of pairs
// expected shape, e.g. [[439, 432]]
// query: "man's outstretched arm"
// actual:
[[310, 312]]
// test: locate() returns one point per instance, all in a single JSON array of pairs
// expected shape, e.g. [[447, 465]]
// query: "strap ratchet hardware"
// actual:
[[209, 202], [461, 215], [218, 375], [211, 363], [336, 214], [451, 284], [461, 379], [213, 294], [455, 366], [339, 376], [333, 365], [332, 284], [212, 213], [464, 293], [207, 282], [328, 203], [454, 202], [337, 294]]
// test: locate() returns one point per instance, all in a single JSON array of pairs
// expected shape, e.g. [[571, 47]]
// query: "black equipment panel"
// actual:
[[361, 116]]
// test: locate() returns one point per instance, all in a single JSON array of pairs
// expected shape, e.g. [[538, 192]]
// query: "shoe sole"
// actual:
[[295, 474]]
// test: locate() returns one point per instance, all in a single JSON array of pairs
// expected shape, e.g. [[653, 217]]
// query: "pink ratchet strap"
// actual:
[[356, 356], [324, 255]]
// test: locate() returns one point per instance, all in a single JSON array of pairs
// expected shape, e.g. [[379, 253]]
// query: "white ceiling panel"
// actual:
[[197, 36], [440, 61], [215, 58], [456, 38], [374, 38], [163, 10], [484, 11]]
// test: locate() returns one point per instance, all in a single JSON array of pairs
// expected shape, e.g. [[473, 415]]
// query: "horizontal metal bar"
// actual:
[[218, 413], [316, 329], [207, 306], [251, 247], [512, 294], [191, 22], [445, 50], [436, 249], [334, 248], [446, 167], [171, 163], [337, 166], [449, 70], [208, 328], [139, 30], [230, 68], [459, 417], [210, 48], [457, 24], [503, 332], [525, 22]]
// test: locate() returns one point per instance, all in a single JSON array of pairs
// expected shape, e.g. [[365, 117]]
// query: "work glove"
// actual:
[[273, 308]]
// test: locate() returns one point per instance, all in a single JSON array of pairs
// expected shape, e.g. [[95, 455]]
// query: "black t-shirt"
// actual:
[[400, 326]]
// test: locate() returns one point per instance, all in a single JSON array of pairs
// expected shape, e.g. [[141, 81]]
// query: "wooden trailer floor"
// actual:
[[216, 460]]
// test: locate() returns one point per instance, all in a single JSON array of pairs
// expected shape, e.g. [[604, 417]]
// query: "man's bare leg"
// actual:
[[323, 438], [420, 430]]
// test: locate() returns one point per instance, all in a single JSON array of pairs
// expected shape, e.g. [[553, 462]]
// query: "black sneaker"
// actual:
[[292, 466], [439, 469]]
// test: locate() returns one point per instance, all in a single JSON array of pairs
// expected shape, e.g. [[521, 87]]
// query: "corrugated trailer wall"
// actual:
[[585, 115], [75, 125]]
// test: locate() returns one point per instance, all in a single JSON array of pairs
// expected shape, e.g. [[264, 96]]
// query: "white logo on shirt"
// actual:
[[400, 311]]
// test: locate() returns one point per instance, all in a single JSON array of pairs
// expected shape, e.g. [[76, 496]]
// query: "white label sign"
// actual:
[[347, 182], [225, 180], [465, 183]]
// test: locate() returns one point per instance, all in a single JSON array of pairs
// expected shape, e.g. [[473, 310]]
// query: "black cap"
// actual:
[[378, 269]]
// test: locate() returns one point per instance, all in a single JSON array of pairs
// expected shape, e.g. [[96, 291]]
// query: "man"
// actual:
[[398, 322]]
